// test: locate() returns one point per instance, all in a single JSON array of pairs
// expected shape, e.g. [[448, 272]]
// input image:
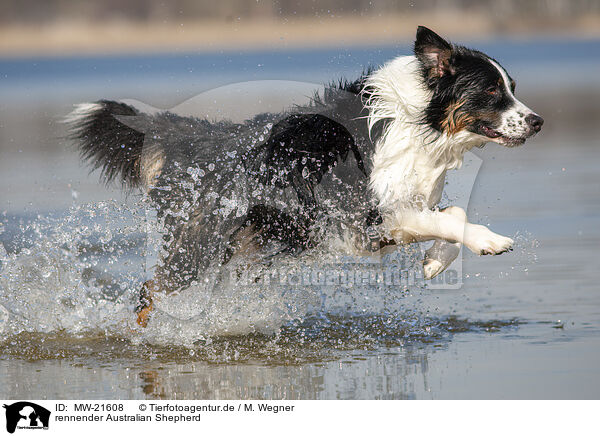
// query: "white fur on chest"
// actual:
[[409, 179]]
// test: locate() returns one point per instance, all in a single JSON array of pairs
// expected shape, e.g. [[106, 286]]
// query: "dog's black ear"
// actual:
[[434, 52]]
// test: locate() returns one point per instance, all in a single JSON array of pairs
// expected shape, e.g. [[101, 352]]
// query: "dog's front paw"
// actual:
[[481, 240]]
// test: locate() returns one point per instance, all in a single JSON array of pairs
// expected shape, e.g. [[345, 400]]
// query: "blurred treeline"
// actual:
[[500, 11]]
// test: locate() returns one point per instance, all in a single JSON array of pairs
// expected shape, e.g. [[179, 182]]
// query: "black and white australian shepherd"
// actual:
[[365, 160]]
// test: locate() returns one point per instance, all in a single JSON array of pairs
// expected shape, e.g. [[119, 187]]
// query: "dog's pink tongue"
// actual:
[[490, 133]]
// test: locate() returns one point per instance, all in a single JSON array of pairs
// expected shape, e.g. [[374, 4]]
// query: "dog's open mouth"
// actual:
[[500, 138]]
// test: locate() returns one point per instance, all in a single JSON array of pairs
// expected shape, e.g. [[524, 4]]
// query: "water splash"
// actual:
[[69, 285], [55, 277]]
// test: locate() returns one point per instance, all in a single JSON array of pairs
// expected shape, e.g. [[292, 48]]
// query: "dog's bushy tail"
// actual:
[[106, 142]]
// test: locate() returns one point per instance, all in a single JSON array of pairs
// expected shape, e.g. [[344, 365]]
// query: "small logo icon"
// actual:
[[26, 415]]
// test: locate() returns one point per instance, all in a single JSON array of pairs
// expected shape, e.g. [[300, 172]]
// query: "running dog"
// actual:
[[366, 159]]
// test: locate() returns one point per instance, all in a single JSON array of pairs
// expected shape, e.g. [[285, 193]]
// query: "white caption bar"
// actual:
[[156, 417]]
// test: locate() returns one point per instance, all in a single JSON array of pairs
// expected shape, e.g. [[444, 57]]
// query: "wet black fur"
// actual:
[[108, 144]]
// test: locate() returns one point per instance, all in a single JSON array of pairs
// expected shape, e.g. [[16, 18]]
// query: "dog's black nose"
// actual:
[[534, 121]]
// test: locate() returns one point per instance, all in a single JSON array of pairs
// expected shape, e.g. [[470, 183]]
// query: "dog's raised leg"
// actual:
[[146, 303], [450, 225]]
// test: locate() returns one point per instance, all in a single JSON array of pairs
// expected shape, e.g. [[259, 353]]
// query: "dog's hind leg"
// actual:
[[146, 302]]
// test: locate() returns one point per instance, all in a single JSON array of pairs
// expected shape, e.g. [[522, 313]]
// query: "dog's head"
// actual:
[[472, 92]]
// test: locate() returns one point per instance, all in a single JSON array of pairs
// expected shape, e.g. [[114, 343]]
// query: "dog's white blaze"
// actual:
[[513, 120]]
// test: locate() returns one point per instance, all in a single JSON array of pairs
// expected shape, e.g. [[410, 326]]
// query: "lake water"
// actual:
[[523, 325]]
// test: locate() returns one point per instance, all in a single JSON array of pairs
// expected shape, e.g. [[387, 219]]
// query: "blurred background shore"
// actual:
[[72, 27]]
